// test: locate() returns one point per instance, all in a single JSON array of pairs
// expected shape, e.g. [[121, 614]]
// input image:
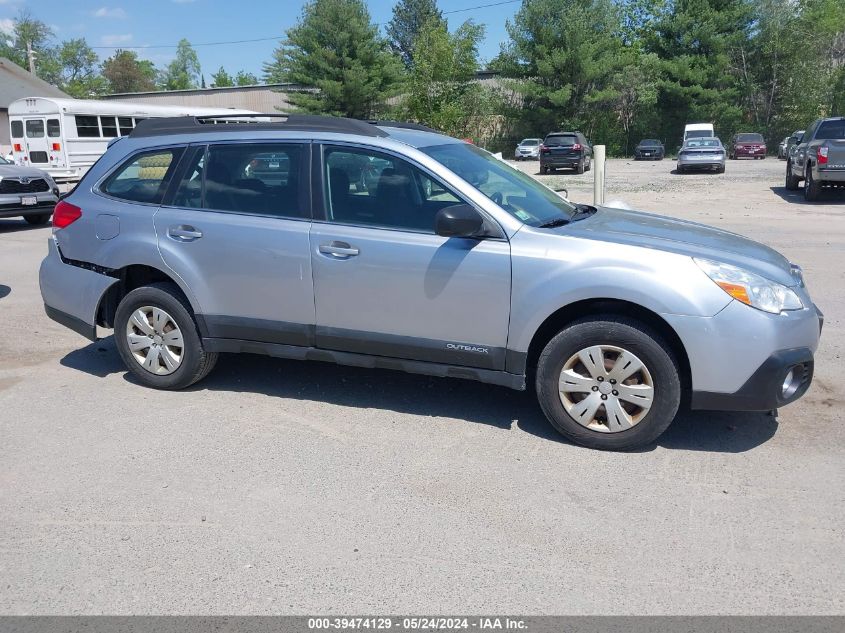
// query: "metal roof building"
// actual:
[[17, 83], [258, 98]]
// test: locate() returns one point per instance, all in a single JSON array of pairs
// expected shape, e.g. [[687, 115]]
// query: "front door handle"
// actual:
[[184, 233], [338, 249]]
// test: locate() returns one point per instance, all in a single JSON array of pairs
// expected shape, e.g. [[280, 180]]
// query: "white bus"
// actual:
[[698, 130], [65, 136]]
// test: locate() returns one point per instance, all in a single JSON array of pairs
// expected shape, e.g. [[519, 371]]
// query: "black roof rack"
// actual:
[[404, 125], [294, 122]]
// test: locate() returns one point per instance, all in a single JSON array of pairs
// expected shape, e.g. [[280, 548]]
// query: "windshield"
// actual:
[[831, 130], [703, 142], [517, 193], [650, 141], [530, 141], [749, 138]]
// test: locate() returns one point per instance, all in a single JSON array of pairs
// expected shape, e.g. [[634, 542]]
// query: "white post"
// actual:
[[598, 174]]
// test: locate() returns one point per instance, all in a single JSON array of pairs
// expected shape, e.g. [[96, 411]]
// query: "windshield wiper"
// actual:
[[583, 211]]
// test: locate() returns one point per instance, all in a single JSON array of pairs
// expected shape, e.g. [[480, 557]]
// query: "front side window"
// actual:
[[53, 129], [17, 129], [254, 178], [109, 125], [370, 188], [87, 126], [144, 177], [517, 193], [35, 128]]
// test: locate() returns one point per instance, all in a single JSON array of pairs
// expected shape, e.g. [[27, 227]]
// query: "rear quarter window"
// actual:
[[143, 177]]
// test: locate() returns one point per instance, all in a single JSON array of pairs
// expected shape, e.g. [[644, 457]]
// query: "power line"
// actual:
[[279, 37]]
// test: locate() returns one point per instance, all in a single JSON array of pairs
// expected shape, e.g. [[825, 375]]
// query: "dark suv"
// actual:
[[565, 149]]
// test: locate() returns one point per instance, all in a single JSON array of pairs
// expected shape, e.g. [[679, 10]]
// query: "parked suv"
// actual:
[[818, 158], [565, 149], [190, 239], [748, 145], [26, 192]]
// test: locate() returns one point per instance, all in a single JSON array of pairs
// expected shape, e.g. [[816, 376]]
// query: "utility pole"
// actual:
[[30, 55]]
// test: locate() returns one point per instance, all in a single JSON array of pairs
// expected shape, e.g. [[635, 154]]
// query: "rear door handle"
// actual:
[[338, 249], [184, 233]]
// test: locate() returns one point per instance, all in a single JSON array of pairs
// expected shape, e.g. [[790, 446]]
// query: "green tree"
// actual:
[[184, 71], [79, 74], [221, 79], [409, 18], [700, 43], [336, 51], [243, 78], [442, 91], [26, 30], [561, 52], [126, 73]]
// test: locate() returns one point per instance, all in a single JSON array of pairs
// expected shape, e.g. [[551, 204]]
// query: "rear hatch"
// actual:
[[562, 146]]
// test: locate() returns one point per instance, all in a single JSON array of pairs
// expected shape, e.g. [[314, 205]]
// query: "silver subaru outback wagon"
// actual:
[[388, 245]]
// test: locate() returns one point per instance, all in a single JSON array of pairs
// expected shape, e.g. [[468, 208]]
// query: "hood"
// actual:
[[17, 171], [684, 238]]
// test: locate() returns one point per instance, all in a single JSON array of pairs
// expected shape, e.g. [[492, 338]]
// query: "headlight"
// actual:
[[750, 288]]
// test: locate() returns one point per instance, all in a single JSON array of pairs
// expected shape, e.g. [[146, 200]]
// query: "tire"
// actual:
[[194, 362], [589, 164], [544, 169], [616, 333], [579, 168], [720, 169], [792, 182], [680, 169], [38, 219], [812, 189]]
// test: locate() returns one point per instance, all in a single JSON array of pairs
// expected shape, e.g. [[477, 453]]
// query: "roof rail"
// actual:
[[404, 125], [294, 122]]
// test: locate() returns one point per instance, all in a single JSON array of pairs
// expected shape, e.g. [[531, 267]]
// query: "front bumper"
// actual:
[[648, 154], [743, 152], [11, 207], [783, 378]]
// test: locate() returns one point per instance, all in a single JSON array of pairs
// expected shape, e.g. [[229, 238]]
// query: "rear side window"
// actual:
[[87, 126], [109, 126], [53, 130], [125, 125], [17, 129], [144, 177], [254, 178]]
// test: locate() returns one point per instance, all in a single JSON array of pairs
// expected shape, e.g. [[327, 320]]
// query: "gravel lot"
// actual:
[[284, 487]]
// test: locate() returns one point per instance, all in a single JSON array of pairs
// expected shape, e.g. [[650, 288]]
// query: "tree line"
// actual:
[[618, 70]]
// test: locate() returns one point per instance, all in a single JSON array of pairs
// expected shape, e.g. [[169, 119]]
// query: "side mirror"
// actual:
[[458, 220]]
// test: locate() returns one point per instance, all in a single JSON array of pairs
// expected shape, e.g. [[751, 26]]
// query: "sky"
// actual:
[[135, 24]]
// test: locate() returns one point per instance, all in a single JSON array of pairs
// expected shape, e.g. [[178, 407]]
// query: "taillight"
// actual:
[[57, 147], [823, 151], [543, 148], [18, 147], [65, 214], [576, 146]]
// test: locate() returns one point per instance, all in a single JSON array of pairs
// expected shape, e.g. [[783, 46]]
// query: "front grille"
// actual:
[[14, 185]]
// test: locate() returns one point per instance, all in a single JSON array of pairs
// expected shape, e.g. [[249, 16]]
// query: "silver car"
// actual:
[[26, 192], [701, 153], [528, 149], [450, 263]]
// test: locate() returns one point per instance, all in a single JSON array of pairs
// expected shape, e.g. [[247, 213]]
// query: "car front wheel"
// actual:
[[792, 182], [609, 383], [157, 338]]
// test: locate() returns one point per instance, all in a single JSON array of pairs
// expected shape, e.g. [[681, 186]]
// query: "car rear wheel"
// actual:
[[608, 382], [157, 338], [579, 168], [40, 218], [812, 190]]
